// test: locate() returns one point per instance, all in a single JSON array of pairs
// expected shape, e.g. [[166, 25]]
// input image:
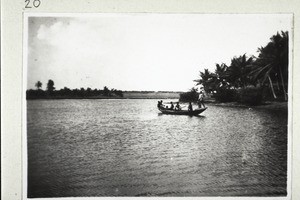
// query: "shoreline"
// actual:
[[270, 105], [126, 95], [91, 98]]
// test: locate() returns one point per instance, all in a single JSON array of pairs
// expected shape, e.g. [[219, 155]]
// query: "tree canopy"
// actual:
[[268, 69], [71, 93], [38, 85], [50, 86]]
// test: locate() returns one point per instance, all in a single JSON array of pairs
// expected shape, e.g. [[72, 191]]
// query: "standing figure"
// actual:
[[201, 100], [190, 108]]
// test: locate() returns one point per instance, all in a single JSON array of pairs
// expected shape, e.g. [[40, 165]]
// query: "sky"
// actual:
[[148, 52]]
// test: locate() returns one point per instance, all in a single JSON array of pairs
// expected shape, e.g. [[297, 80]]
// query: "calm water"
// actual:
[[125, 148]]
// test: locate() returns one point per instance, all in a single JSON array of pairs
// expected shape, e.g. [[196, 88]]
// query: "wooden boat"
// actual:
[[181, 112]]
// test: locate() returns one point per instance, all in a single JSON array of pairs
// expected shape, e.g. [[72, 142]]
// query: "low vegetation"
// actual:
[[67, 93]]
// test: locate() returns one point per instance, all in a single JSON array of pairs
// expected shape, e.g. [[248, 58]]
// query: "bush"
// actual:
[[250, 95], [191, 96], [226, 95], [35, 94]]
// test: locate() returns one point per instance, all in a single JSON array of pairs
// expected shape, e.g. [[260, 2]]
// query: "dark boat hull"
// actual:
[[182, 112]]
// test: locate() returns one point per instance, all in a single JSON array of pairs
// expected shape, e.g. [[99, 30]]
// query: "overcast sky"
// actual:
[[141, 51]]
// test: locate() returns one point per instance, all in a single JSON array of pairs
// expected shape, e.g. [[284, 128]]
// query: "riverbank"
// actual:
[[126, 95], [269, 105], [151, 95]]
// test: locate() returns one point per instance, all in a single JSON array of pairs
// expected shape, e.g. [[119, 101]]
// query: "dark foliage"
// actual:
[[38, 85], [268, 72], [226, 95], [67, 93], [190, 96], [250, 96], [50, 86]]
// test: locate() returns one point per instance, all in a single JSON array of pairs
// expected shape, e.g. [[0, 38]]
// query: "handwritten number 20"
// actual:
[[35, 3]]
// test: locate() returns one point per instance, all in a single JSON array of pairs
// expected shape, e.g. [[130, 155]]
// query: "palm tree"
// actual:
[[272, 63], [50, 86], [220, 74], [38, 85], [207, 80], [237, 72], [262, 73]]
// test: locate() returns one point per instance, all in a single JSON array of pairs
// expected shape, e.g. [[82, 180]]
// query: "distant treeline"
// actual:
[[134, 91], [66, 93], [249, 80]]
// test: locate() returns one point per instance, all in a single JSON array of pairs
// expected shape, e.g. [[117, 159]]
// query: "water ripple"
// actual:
[[125, 148]]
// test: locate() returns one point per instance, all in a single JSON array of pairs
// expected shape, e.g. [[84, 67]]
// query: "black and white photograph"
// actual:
[[157, 105]]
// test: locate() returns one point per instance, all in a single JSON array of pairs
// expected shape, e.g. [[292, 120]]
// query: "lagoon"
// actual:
[[125, 147]]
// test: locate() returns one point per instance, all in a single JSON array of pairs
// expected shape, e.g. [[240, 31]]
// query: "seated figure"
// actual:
[[172, 106], [177, 107]]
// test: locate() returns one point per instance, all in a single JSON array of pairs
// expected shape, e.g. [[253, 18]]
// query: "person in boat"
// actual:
[[190, 108], [177, 107], [201, 100], [172, 106], [160, 104]]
